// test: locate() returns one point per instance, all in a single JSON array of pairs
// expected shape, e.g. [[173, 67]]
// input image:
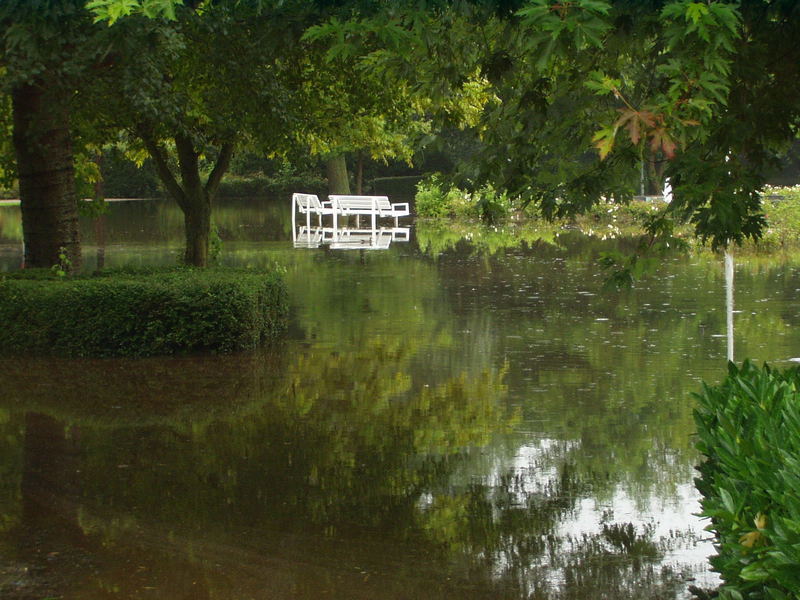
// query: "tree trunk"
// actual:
[[338, 182], [197, 220], [46, 173], [194, 198], [100, 220], [50, 487]]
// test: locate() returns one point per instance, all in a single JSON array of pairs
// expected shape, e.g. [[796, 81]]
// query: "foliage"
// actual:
[[431, 200], [587, 95], [64, 265], [435, 198], [373, 60], [113, 10], [124, 178], [240, 186], [749, 429], [782, 212], [129, 313]]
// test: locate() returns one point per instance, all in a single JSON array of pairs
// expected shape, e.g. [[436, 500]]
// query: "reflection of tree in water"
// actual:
[[330, 446], [343, 470], [515, 533]]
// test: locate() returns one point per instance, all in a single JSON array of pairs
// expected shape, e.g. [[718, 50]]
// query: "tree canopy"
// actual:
[[589, 91], [568, 101]]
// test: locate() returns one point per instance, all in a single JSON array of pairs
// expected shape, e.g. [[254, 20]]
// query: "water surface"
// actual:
[[447, 419]]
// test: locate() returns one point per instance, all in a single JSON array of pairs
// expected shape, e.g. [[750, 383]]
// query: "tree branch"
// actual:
[[189, 164], [220, 168], [159, 156]]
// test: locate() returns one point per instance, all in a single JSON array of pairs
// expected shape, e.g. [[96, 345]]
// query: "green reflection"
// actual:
[[325, 444]]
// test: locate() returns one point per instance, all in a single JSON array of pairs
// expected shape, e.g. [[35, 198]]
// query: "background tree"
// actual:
[[375, 106], [589, 90]]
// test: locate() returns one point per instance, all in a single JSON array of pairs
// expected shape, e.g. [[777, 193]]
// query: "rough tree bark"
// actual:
[[338, 182], [45, 168], [194, 198]]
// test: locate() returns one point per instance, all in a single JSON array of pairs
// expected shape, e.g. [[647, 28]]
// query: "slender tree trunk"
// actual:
[[100, 220], [360, 174], [729, 302], [45, 167]]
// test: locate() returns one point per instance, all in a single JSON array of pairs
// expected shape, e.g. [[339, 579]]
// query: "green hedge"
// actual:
[[140, 313], [749, 430], [244, 186]]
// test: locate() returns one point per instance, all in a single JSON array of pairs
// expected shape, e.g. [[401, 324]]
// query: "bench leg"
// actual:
[[294, 220]]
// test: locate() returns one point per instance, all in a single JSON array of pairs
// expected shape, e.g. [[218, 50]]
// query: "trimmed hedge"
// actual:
[[749, 430], [140, 313]]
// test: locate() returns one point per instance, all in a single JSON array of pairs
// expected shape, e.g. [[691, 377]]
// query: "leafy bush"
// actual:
[[782, 210], [749, 430], [491, 205], [430, 199], [435, 199], [140, 313]]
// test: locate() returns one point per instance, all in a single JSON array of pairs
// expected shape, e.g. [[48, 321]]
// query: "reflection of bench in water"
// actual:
[[307, 237], [345, 238], [370, 239]]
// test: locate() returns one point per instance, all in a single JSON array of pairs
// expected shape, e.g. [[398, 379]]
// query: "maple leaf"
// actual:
[[634, 121], [660, 139], [603, 140]]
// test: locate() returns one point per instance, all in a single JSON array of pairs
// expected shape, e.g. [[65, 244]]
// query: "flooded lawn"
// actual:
[[443, 421]]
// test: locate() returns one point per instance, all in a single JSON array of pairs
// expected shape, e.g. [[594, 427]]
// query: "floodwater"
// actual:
[[448, 418]]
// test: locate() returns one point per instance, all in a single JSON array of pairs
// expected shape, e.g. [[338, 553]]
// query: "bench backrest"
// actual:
[[307, 201], [345, 202]]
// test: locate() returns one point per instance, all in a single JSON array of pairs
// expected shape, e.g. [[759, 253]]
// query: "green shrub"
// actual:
[[749, 430], [782, 210], [430, 199], [492, 206], [140, 313], [243, 186], [435, 199]]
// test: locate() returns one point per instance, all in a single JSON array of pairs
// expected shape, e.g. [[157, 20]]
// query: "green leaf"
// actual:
[[727, 500]]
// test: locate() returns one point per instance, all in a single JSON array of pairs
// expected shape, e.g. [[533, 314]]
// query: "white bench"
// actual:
[[309, 204], [375, 206]]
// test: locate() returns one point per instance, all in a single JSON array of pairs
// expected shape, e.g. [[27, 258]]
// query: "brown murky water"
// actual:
[[461, 421]]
